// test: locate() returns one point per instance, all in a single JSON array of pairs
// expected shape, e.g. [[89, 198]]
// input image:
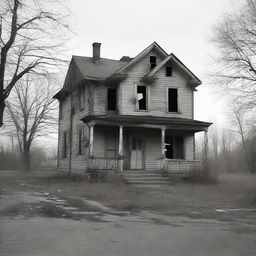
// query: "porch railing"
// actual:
[[180, 167], [102, 164]]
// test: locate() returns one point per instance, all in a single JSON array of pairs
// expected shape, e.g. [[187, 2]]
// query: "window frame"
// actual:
[[80, 150], [147, 98], [166, 72], [152, 64], [81, 92], [167, 100], [175, 148], [107, 107]]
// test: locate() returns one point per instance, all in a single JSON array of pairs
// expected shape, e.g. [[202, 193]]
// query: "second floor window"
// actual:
[[142, 97], [112, 99], [81, 98], [172, 100]]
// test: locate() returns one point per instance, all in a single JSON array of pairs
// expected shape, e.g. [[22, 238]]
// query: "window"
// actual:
[[172, 100], [111, 146], [168, 71], [142, 97], [152, 61], [112, 106], [64, 150], [80, 141], [81, 98], [174, 147]]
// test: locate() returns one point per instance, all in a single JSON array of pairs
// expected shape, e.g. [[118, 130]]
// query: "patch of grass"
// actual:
[[182, 198], [52, 211], [13, 210]]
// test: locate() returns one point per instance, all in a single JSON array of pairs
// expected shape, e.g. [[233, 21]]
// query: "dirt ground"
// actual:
[[44, 214]]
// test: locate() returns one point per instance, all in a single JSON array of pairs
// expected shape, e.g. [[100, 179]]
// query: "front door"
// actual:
[[136, 153]]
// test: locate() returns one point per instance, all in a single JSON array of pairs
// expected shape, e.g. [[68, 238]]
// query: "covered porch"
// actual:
[[118, 143]]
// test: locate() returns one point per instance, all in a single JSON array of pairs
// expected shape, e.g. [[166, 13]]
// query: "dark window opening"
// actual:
[[64, 151], [178, 152], [169, 147], [142, 97], [112, 99], [80, 140], [172, 100], [168, 71], [81, 98], [174, 147], [152, 61]]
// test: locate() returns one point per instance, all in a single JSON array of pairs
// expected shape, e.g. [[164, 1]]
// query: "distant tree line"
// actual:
[[10, 159]]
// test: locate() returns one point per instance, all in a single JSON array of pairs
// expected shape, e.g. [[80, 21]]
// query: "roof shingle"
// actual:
[[99, 71]]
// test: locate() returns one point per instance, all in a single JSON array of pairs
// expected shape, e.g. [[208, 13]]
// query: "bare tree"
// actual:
[[31, 112], [235, 37], [239, 121], [31, 40], [214, 141]]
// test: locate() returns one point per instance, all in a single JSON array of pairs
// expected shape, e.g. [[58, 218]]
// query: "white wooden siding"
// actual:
[[158, 98]]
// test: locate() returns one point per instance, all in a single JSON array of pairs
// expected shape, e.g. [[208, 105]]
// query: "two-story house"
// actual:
[[128, 114]]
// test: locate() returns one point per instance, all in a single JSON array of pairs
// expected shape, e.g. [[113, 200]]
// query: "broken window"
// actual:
[[80, 141], [152, 61], [64, 150], [142, 97], [112, 99], [168, 71], [172, 100]]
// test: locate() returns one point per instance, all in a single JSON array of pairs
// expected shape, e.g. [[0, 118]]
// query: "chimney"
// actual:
[[96, 52]]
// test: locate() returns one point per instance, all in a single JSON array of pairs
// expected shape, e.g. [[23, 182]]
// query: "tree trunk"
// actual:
[[26, 159], [2, 107]]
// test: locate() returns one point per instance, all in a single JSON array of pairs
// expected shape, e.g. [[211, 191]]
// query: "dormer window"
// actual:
[[168, 71], [152, 62]]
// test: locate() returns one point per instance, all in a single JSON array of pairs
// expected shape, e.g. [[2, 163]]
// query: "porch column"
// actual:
[[91, 138], [120, 149], [205, 144], [163, 143]]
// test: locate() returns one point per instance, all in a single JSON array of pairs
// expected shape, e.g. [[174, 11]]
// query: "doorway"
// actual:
[[136, 158]]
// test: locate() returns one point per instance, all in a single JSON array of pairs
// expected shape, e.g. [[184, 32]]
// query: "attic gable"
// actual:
[[153, 47], [150, 76]]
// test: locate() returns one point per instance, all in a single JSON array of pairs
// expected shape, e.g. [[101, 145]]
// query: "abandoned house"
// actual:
[[128, 114]]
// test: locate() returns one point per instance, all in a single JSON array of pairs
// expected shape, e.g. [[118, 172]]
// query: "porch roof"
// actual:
[[173, 123]]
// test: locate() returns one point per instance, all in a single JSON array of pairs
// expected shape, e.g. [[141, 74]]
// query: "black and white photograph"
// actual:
[[127, 128]]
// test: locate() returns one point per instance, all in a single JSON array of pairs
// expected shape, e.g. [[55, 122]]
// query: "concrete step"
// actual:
[[146, 178], [142, 177], [148, 182], [141, 174]]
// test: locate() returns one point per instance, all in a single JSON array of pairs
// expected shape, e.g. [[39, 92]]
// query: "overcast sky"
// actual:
[[126, 27]]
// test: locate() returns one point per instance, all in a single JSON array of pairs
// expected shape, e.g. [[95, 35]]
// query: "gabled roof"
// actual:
[[195, 80], [154, 45], [99, 71]]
